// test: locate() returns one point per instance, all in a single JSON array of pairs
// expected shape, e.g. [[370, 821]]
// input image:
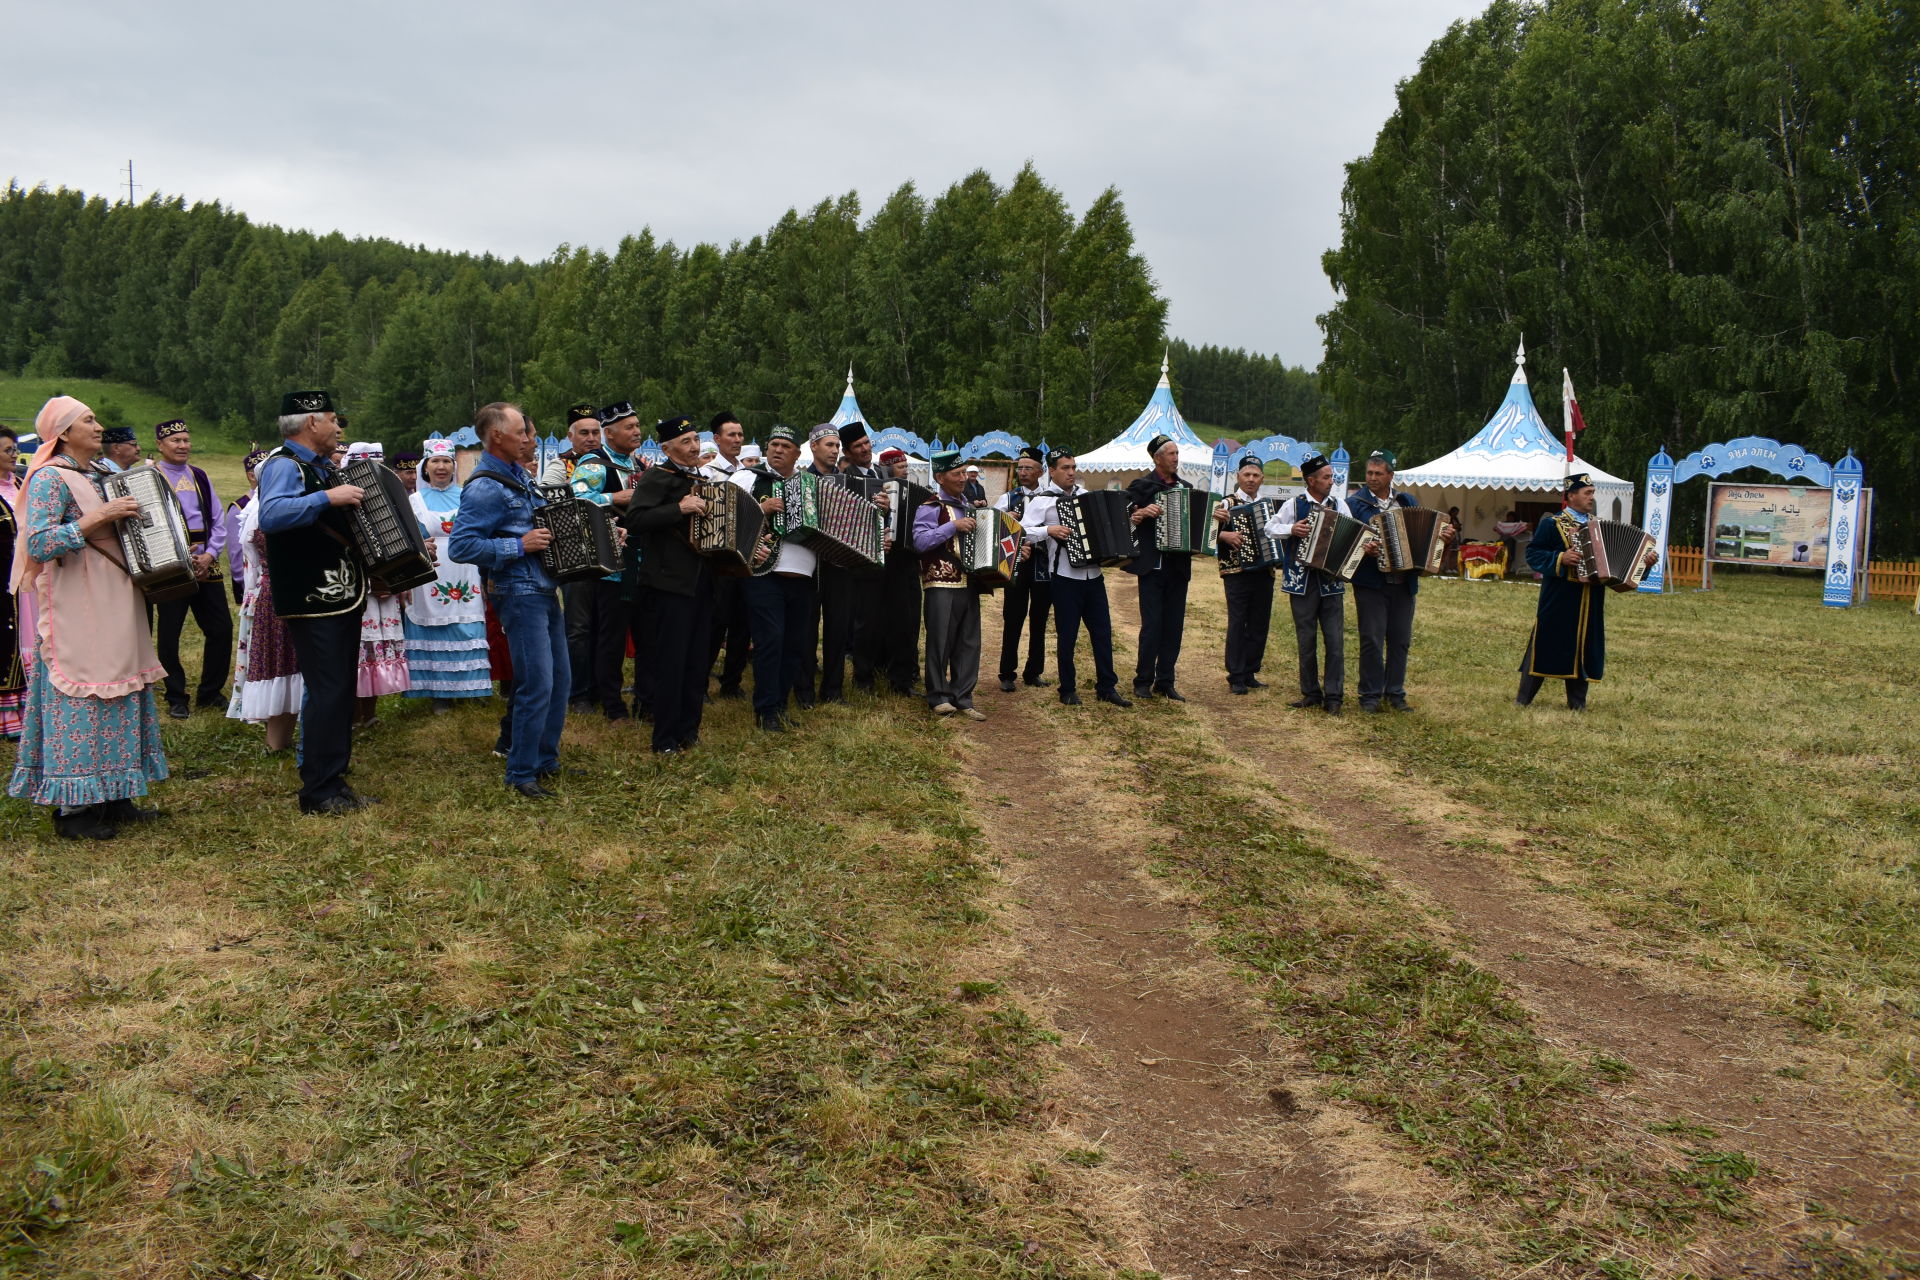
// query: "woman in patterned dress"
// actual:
[[90, 741], [446, 622], [267, 687], [13, 679], [383, 635]]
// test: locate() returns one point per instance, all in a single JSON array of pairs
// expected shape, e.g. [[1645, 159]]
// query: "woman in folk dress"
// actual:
[[446, 624]]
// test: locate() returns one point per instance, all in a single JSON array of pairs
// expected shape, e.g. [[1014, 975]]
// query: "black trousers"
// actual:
[[677, 653], [214, 616], [329, 653], [778, 606], [1385, 618], [1024, 603], [731, 630], [1249, 615], [1163, 621], [614, 620], [1321, 617], [1530, 685], [894, 634], [580, 602], [836, 594], [1078, 600]]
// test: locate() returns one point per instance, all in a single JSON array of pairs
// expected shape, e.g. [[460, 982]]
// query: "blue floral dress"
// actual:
[[78, 751], [446, 618]]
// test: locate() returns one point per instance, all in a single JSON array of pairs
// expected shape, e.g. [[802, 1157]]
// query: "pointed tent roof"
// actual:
[[1128, 450], [1514, 450], [849, 410]]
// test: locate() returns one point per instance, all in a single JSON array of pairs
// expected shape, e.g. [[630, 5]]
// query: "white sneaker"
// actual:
[[944, 708], [973, 713]]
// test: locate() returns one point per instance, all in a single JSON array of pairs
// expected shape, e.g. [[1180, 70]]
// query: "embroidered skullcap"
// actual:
[[303, 402]]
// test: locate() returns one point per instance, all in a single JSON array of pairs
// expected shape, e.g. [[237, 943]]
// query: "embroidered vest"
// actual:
[[313, 573], [940, 567]]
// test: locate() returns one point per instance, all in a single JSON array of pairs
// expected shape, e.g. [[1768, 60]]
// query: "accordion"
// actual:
[[903, 497], [154, 542], [1099, 526], [1256, 549], [1612, 552], [1335, 544], [383, 530], [1409, 539], [990, 554], [1185, 526], [728, 533], [583, 544], [833, 521]]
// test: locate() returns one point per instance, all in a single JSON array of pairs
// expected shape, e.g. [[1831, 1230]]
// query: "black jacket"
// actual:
[[661, 530]]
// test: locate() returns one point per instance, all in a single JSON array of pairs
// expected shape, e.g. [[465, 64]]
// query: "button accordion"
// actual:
[[729, 533], [1410, 539], [583, 545], [1256, 549], [903, 497], [1613, 553], [383, 530], [1335, 543], [990, 554], [1099, 525], [833, 521], [154, 543], [1185, 526]]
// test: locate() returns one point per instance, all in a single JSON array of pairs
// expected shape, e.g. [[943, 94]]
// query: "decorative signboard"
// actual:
[[1772, 524]]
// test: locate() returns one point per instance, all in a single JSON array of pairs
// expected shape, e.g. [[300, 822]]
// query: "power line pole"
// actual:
[[130, 187]]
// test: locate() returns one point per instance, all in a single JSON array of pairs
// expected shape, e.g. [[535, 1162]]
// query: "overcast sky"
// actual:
[[514, 128]]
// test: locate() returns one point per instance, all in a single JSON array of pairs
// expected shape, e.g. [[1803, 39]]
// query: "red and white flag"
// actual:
[[1570, 412]]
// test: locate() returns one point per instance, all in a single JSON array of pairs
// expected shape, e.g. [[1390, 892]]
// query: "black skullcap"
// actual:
[[673, 428], [781, 431], [1318, 462], [117, 435], [1033, 451], [616, 411], [1248, 460], [721, 419], [1056, 457], [1154, 445], [581, 411], [1578, 480], [303, 402], [852, 433]]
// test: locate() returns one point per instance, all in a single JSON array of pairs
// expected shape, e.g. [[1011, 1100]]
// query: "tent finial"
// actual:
[[849, 377], [1520, 352], [1165, 353]]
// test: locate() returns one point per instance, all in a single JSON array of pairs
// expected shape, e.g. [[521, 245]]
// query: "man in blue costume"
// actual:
[[1569, 640]]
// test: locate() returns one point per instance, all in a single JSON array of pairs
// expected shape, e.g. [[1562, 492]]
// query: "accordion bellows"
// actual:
[[154, 543], [1185, 526], [383, 529], [1410, 539], [831, 520], [1335, 543], [729, 532], [1613, 553]]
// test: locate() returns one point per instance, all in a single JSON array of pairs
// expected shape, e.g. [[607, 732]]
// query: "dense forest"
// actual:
[[1705, 211], [983, 307]]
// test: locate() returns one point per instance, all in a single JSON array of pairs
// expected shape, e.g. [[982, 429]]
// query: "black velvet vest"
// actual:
[[313, 573]]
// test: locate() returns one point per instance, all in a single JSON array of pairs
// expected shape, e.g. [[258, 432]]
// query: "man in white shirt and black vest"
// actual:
[[1029, 596], [1078, 592], [1318, 598]]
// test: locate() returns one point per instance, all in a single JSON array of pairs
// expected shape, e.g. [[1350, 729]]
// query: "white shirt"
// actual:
[[1280, 524], [793, 558], [719, 469], [1043, 509], [555, 472]]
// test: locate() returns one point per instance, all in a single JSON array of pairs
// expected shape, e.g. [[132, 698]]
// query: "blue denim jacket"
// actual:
[[496, 507]]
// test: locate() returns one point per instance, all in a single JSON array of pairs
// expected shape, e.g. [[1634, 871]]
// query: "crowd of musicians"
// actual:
[[321, 637]]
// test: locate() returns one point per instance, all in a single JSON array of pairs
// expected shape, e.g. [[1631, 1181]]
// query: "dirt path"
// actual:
[[1698, 1051], [1225, 1166]]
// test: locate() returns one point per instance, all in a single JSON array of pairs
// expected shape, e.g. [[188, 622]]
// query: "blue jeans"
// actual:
[[537, 636]]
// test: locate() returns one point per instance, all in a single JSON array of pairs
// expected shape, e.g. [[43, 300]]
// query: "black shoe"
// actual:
[[1006, 684], [1255, 682], [1398, 704], [359, 801], [772, 724], [332, 806], [215, 703], [178, 711], [835, 696], [1115, 699], [1171, 694], [1035, 682], [616, 714], [126, 811], [88, 824], [1237, 688], [904, 690], [1332, 706], [1305, 704], [666, 751], [1370, 704], [1143, 691], [806, 704], [1069, 698], [690, 743], [531, 791], [864, 686]]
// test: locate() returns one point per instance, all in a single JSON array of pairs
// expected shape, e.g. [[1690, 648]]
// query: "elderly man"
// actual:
[[604, 477], [675, 586], [319, 591], [1249, 592], [1079, 591], [952, 603], [494, 530], [1569, 639], [583, 437], [206, 538], [1163, 577], [895, 633], [1318, 598], [833, 611], [861, 621], [1383, 602], [1028, 597], [780, 603], [731, 628], [122, 451]]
